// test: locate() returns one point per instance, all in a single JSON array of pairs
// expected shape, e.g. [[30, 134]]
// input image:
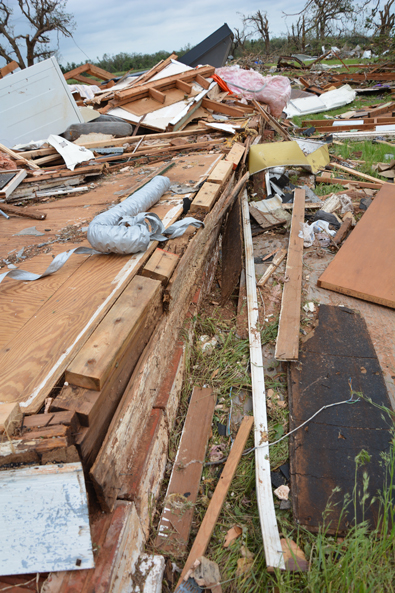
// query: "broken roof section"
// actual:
[[213, 50]]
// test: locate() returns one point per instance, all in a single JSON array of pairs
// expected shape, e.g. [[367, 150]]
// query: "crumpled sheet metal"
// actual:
[[287, 154]]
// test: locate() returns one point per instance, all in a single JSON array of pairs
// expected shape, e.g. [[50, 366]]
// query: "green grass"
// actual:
[[372, 153], [356, 104]]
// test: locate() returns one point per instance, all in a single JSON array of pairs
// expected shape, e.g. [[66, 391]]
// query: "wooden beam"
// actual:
[[272, 122], [157, 95], [206, 197], [207, 526], [278, 258], [221, 173], [123, 324], [184, 86], [236, 154], [24, 212], [357, 173], [18, 157], [202, 81], [161, 266], [223, 108], [267, 515], [287, 344], [339, 181], [7, 190], [176, 520]]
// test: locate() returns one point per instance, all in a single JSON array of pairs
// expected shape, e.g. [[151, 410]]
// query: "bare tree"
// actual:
[[239, 39], [259, 24], [41, 17], [297, 37], [385, 19], [322, 16]]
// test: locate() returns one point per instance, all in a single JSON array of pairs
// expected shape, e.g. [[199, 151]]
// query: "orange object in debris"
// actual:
[[221, 83]]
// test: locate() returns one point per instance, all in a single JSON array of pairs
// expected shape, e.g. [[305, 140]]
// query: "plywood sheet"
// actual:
[[323, 453], [44, 520], [364, 266]]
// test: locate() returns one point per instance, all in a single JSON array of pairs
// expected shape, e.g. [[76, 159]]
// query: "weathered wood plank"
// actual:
[[287, 344], [267, 515], [207, 526], [160, 266], [232, 252], [104, 350], [175, 523], [47, 507]]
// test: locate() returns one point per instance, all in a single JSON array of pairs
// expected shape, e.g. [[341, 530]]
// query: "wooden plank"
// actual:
[[272, 122], [8, 68], [99, 72], [202, 81], [232, 252], [223, 108], [206, 197], [47, 507], [24, 212], [343, 231], [278, 258], [184, 86], [207, 526], [236, 154], [287, 344], [104, 349], [176, 519], [271, 538], [160, 266], [18, 157], [338, 351], [221, 172], [357, 173], [357, 269], [35, 358], [339, 181], [157, 95], [10, 418], [13, 183]]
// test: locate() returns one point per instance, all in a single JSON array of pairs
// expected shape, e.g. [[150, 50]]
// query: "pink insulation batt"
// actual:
[[274, 91]]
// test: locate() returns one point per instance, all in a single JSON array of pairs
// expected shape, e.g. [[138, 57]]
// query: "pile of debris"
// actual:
[[151, 180]]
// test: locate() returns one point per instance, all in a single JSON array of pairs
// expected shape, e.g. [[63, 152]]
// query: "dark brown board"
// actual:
[[232, 252], [322, 453]]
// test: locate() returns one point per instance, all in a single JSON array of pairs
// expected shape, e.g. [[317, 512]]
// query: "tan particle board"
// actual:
[[364, 267]]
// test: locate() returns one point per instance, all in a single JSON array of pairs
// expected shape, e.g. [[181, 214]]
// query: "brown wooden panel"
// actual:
[[364, 266], [232, 252]]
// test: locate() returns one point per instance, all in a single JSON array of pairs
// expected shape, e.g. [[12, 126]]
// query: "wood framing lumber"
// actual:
[[85, 79], [357, 173], [287, 344], [29, 451], [110, 472], [160, 266], [24, 212], [155, 70], [184, 86], [343, 231], [202, 81], [221, 173], [10, 418], [31, 367], [103, 351], [175, 523], [157, 95], [236, 154], [90, 69], [8, 68], [278, 258], [64, 173], [339, 181], [207, 526], [13, 183], [272, 121], [18, 157], [357, 270], [267, 515], [206, 197], [223, 108]]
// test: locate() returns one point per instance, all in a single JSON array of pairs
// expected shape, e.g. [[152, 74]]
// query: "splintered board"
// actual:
[[44, 520], [323, 452], [175, 524], [103, 351], [364, 266]]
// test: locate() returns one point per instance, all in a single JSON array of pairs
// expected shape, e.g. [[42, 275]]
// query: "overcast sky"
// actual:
[[146, 27]]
